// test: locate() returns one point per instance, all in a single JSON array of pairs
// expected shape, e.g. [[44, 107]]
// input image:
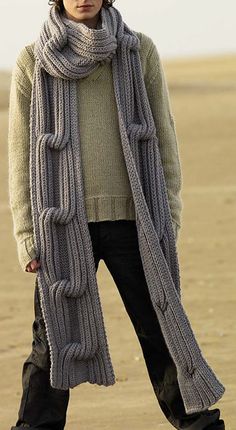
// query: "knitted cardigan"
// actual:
[[68, 287]]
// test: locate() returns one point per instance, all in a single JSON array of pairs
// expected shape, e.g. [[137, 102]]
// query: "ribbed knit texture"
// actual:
[[107, 190], [67, 276]]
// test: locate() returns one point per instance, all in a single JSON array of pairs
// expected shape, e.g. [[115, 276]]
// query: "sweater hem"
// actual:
[[103, 208]]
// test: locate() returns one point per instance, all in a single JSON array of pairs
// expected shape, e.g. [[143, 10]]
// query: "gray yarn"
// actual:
[[67, 276]]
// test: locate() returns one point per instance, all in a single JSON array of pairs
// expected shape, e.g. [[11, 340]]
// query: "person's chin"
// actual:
[[80, 14]]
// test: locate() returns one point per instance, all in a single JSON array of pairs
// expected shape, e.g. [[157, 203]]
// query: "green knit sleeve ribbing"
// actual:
[[160, 104], [18, 165]]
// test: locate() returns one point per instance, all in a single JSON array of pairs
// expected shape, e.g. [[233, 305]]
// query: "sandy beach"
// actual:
[[203, 98]]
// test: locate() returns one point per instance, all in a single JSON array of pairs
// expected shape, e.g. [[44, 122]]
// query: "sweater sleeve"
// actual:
[[158, 95], [18, 164]]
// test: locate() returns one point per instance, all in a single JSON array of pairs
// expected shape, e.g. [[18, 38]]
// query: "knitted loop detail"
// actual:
[[140, 131], [130, 42], [57, 216], [77, 351], [192, 370], [66, 288], [53, 141], [199, 378], [163, 306]]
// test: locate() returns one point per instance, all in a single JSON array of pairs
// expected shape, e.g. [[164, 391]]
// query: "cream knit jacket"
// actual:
[[108, 194]]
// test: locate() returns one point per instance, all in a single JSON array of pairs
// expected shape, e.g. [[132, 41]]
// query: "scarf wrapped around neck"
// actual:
[[67, 276]]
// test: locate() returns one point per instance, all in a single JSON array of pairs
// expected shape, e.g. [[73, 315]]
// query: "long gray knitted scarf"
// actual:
[[67, 277]]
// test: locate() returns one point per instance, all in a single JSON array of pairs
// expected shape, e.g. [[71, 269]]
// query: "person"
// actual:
[[111, 220]]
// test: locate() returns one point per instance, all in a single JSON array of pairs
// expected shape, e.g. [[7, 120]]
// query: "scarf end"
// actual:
[[199, 388], [98, 370]]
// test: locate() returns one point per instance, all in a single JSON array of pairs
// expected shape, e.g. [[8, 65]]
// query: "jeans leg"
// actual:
[[121, 255]]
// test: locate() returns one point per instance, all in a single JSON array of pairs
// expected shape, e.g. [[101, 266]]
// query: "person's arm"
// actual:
[[158, 95], [18, 163]]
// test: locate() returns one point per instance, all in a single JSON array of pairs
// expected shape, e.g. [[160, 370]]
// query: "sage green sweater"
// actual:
[[108, 194]]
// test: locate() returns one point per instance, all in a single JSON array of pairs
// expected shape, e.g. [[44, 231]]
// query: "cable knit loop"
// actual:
[[192, 371], [53, 141], [57, 215], [163, 306], [140, 131], [132, 42], [77, 351], [189, 369], [66, 288]]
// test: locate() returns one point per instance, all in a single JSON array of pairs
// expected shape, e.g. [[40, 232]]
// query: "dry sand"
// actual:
[[203, 97]]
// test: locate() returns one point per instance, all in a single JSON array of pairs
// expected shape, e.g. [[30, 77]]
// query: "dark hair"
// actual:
[[59, 3]]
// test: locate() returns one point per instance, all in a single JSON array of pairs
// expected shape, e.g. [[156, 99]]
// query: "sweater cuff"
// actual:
[[26, 252]]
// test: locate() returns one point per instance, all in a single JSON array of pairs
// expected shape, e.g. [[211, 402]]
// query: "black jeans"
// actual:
[[44, 407]]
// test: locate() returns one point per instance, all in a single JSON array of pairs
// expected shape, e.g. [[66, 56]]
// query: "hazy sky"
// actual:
[[177, 27]]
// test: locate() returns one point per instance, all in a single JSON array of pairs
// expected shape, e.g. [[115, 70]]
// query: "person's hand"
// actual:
[[33, 266]]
